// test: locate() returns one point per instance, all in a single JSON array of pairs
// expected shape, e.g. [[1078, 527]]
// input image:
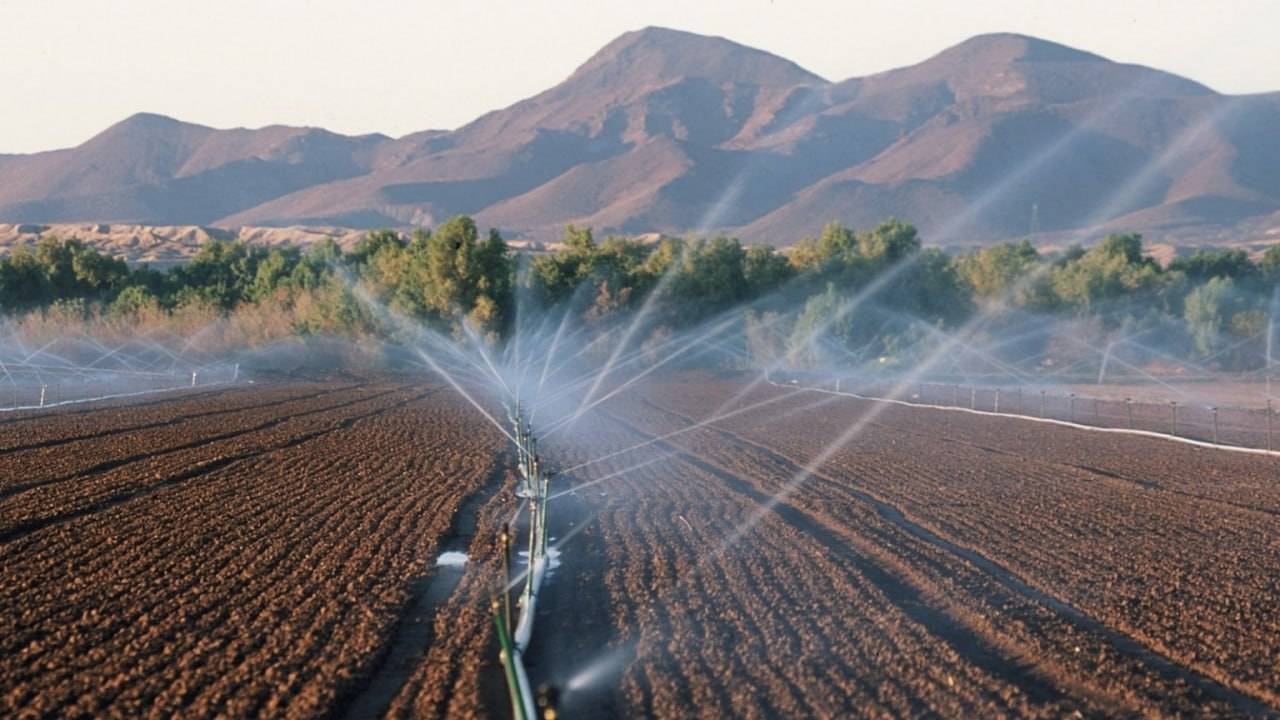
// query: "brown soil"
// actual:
[[270, 551], [255, 562]]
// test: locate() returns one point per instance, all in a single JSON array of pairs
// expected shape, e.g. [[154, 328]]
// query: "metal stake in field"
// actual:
[[1128, 407], [1269, 423], [1042, 403], [504, 544], [1174, 405], [43, 390], [1215, 424], [1019, 400], [1097, 419], [1072, 399], [997, 407]]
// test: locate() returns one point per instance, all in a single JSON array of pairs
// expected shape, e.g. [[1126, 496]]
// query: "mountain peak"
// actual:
[[150, 122], [1004, 47], [654, 54]]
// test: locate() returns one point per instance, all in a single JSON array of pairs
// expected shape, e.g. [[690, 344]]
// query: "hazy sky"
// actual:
[[70, 68]]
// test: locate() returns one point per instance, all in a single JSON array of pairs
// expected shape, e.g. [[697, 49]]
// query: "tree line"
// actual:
[[874, 295]]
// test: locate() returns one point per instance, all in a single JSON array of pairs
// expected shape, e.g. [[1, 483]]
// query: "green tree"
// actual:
[[888, 243], [133, 301], [1110, 279], [1207, 310], [23, 281], [994, 272], [1205, 264], [467, 279], [765, 270]]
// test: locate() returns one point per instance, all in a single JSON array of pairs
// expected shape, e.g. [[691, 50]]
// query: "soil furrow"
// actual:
[[22, 529]]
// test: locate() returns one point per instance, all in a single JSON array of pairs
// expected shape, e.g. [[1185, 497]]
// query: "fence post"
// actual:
[[1174, 404], [1215, 424], [1072, 411], [1128, 406], [193, 378], [997, 407]]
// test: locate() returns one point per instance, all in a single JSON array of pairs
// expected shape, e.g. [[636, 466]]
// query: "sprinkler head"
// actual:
[[547, 699]]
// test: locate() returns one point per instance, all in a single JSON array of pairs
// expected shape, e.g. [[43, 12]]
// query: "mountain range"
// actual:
[[663, 131]]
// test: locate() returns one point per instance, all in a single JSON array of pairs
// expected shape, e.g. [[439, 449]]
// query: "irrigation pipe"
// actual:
[[535, 484], [114, 396], [1049, 421]]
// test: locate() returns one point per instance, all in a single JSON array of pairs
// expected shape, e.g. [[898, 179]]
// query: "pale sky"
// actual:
[[70, 68]]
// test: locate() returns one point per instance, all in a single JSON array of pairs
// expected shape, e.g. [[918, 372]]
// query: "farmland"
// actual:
[[270, 549]]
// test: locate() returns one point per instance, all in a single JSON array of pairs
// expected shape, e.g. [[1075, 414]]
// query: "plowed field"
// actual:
[[271, 550]]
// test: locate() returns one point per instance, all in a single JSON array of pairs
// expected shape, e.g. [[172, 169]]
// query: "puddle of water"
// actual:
[[452, 558], [553, 557]]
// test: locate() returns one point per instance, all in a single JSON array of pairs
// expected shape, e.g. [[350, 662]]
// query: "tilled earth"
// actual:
[[270, 550], [242, 552]]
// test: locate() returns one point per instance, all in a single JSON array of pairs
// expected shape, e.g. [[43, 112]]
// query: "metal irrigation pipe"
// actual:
[[514, 641], [513, 668]]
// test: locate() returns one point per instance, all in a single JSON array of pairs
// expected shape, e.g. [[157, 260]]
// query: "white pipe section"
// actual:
[[522, 682], [1052, 421], [524, 626], [46, 406]]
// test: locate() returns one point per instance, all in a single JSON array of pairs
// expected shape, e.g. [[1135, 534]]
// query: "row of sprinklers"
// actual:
[[513, 640]]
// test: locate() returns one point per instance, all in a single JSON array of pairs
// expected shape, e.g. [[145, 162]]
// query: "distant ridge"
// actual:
[[672, 132]]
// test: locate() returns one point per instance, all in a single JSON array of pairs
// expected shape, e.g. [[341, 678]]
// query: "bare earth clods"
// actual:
[[270, 551]]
